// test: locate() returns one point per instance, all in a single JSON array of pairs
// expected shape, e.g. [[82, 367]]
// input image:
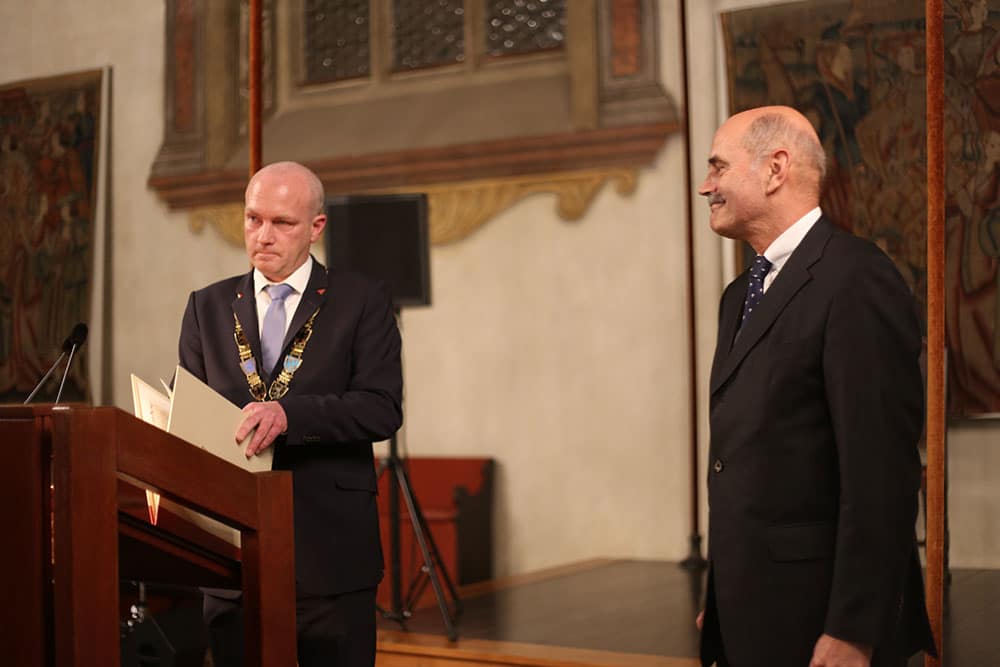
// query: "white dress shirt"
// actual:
[[297, 281], [782, 247]]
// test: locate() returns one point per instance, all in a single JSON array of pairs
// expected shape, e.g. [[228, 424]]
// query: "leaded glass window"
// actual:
[[427, 33], [524, 26], [336, 44], [377, 39]]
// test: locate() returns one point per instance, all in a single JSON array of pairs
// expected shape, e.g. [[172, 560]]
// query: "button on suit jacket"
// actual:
[[816, 409], [346, 394]]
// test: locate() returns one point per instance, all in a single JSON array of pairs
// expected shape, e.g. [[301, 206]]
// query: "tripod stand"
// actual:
[[432, 567]]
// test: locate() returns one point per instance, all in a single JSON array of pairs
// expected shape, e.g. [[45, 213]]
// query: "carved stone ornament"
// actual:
[[226, 218], [458, 209]]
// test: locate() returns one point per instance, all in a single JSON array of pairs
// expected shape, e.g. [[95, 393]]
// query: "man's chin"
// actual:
[[267, 266], [721, 228]]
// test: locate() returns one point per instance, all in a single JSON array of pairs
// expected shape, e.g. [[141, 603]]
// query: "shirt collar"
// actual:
[[782, 247], [298, 281]]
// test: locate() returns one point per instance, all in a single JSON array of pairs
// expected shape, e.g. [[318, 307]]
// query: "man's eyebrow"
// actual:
[[716, 161]]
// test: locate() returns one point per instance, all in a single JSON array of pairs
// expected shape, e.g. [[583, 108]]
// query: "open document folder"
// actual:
[[195, 412]]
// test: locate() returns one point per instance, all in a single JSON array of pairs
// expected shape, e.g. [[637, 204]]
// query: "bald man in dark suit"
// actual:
[[313, 358], [816, 409]]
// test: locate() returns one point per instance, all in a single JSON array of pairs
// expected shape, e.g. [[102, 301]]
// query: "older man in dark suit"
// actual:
[[313, 357], [816, 409]]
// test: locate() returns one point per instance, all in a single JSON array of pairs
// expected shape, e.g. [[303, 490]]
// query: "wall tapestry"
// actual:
[[48, 160], [857, 70]]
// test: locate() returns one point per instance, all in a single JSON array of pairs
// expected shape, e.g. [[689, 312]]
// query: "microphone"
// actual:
[[76, 337], [73, 341]]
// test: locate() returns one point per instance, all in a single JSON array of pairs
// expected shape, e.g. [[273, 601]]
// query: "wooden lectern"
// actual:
[[64, 473]]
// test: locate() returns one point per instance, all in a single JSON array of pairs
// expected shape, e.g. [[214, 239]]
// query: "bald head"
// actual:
[[296, 176], [767, 129], [283, 216], [765, 171]]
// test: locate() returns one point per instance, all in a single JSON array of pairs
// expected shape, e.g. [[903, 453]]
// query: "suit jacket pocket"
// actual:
[[801, 541], [356, 481]]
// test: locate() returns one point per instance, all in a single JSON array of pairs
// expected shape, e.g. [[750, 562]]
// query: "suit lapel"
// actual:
[[245, 307], [794, 275], [312, 298], [730, 311]]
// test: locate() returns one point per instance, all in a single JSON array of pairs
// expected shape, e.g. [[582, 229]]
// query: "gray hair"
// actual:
[[771, 131]]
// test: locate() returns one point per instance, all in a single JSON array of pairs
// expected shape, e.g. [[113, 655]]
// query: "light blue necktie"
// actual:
[[272, 334]]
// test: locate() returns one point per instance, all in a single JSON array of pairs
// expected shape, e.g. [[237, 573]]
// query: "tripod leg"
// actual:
[[391, 466], [422, 539], [395, 546], [416, 588], [397, 611], [434, 549]]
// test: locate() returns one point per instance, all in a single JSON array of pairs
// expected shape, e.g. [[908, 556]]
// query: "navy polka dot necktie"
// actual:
[[755, 286]]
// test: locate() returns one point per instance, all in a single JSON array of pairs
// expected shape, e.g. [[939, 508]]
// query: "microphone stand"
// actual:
[[69, 363], [75, 339], [41, 382]]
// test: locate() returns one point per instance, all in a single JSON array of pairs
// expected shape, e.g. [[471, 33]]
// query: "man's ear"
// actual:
[[777, 170], [318, 223]]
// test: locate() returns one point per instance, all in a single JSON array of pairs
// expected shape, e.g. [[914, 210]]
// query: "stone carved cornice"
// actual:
[[456, 210]]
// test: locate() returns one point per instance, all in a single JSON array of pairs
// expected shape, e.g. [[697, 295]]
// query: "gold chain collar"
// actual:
[[293, 360]]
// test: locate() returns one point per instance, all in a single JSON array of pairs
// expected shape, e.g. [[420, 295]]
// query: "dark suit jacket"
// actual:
[[346, 394], [816, 409]]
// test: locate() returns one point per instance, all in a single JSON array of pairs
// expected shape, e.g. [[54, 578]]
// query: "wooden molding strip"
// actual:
[[633, 146], [936, 507], [404, 649], [494, 585]]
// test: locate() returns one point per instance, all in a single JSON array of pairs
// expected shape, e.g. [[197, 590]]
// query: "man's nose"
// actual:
[[706, 187], [266, 232]]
